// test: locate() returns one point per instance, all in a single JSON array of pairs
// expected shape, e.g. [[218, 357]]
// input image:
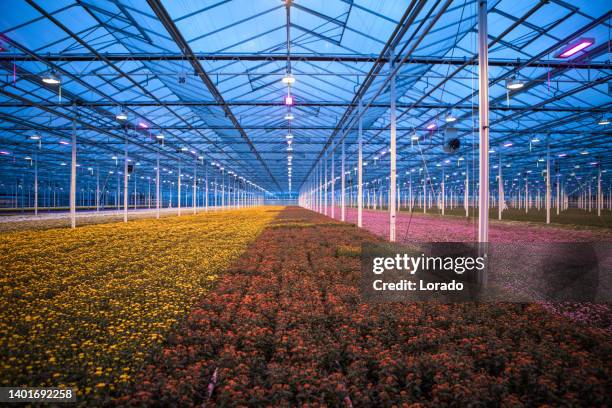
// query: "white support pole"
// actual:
[[193, 199], [548, 186], [206, 191], [410, 193], [157, 195], [442, 191], [466, 194], [424, 196], [360, 169], [590, 198], [342, 187], [179, 188], [500, 188], [599, 197], [333, 183], [125, 180], [73, 176], [526, 193], [325, 184], [36, 184], [97, 187], [558, 194], [149, 193], [392, 159], [483, 111]]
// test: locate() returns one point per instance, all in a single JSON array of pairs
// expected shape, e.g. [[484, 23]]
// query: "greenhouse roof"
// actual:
[[208, 76]]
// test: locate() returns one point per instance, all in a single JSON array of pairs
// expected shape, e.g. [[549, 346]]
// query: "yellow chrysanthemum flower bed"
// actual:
[[83, 308]]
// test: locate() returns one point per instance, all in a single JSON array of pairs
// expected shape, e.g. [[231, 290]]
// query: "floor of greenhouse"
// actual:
[[264, 305], [286, 326]]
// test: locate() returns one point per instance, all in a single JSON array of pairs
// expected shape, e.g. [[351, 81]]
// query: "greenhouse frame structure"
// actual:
[[149, 104]]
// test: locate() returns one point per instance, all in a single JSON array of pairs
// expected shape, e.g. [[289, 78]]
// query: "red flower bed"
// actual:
[[286, 327]]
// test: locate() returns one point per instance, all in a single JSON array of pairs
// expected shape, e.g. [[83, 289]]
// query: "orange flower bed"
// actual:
[[286, 326]]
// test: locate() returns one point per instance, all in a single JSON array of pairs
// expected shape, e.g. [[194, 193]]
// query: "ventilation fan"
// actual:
[[451, 142]]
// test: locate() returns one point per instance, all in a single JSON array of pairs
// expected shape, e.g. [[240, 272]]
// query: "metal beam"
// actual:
[[320, 104], [178, 38], [270, 57]]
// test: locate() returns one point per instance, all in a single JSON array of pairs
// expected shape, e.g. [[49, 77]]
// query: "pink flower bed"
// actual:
[[427, 228]]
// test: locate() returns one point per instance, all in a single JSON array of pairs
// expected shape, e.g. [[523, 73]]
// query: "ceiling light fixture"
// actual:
[[289, 116], [514, 84], [122, 115], [604, 121], [51, 78], [35, 136], [288, 100], [288, 79], [450, 118], [575, 47]]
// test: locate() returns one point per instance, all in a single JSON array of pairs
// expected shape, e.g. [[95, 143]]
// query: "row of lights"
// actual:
[[289, 80]]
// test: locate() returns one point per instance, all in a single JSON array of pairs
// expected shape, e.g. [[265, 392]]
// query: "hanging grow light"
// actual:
[[575, 47], [35, 136], [51, 78], [160, 136], [431, 126], [289, 116], [514, 84], [122, 115], [288, 100], [604, 121], [288, 79], [450, 118]]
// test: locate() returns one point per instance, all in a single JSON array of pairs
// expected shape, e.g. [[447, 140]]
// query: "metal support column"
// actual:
[[179, 189], [393, 154], [333, 184], [125, 180], [342, 187], [500, 188], [97, 187], [483, 120], [157, 196], [195, 178], [73, 175], [36, 184], [548, 186], [360, 169], [325, 184]]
